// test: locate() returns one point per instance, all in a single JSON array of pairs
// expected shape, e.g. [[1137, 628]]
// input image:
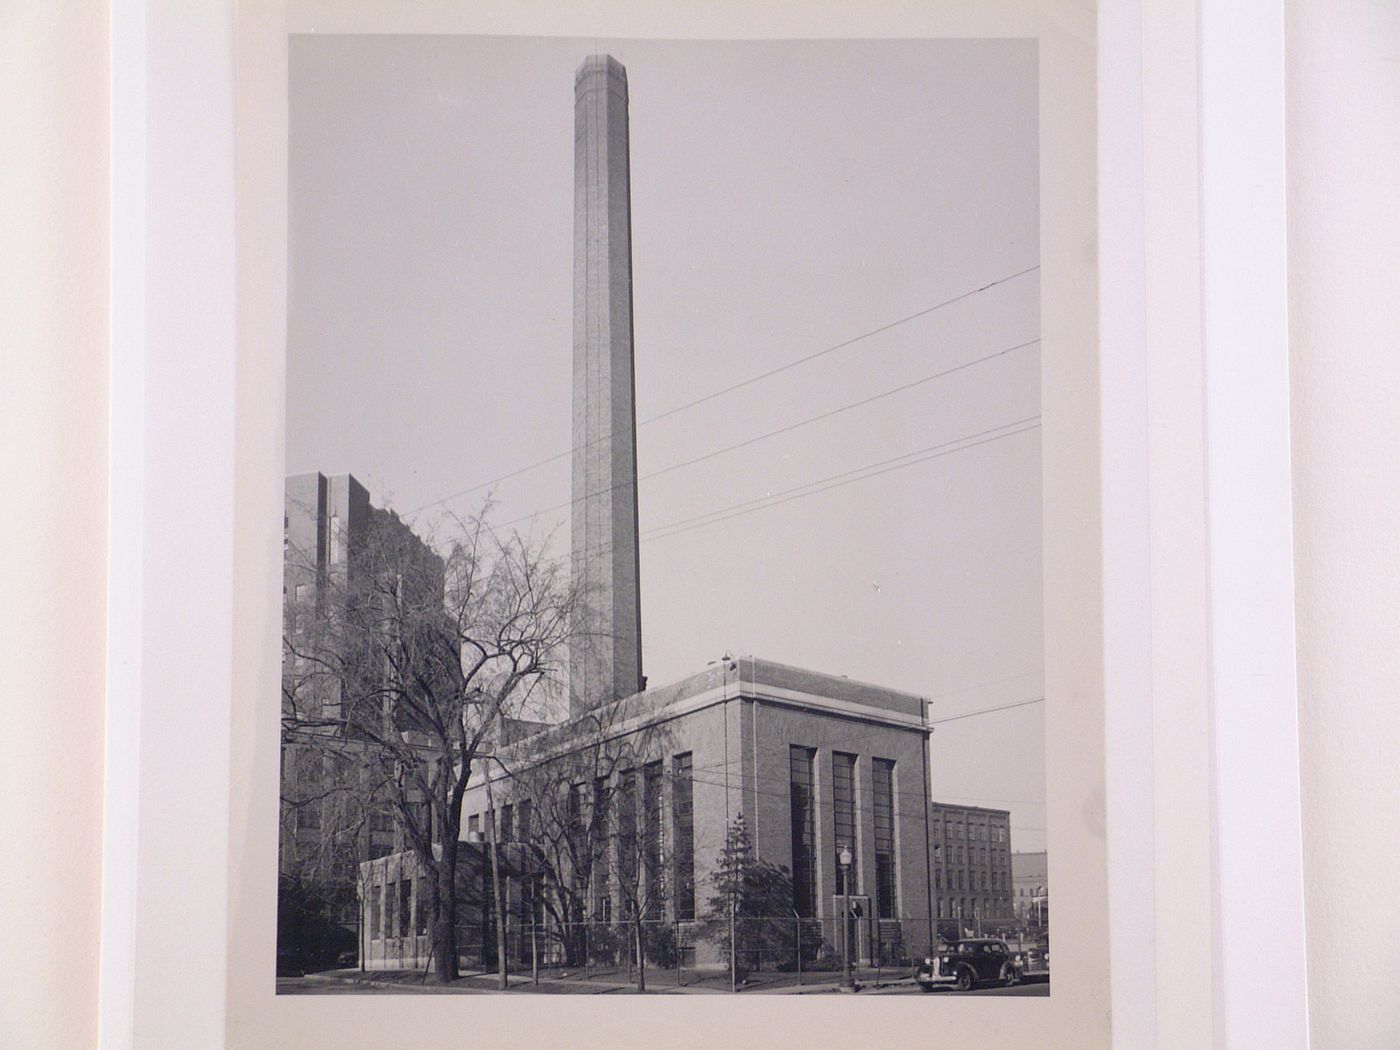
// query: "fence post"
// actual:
[[879, 943], [798, 942]]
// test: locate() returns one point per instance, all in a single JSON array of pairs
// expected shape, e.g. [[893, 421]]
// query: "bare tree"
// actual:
[[335, 815], [595, 791], [408, 666]]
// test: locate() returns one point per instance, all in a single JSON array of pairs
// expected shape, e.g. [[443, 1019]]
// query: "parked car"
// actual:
[[966, 963], [1036, 962]]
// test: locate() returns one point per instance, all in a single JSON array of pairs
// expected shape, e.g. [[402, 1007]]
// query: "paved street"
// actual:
[[322, 985], [1041, 989]]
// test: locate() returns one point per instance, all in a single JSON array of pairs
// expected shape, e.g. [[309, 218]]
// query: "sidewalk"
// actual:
[[478, 982]]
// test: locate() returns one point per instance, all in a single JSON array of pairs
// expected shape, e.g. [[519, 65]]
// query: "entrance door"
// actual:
[[858, 926]]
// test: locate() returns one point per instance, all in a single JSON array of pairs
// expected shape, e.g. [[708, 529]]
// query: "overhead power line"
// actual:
[[833, 481], [846, 740], [733, 387], [814, 488], [839, 346], [786, 429], [986, 711]]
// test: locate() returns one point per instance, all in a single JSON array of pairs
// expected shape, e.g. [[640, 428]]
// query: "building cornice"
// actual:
[[716, 696]]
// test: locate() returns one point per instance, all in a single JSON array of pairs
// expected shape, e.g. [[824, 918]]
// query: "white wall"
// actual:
[[1344, 215], [53, 462], [1344, 287]]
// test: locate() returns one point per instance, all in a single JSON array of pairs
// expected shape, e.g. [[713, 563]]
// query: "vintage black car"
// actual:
[[967, 963]]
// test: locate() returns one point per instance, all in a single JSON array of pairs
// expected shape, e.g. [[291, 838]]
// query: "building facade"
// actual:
[[330, 533], [626, 814], [634, 822], [1030, 880], [970, 865], [396, 918]]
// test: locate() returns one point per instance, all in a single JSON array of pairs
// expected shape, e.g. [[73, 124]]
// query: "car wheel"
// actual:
[[964, 981], [923, 987]]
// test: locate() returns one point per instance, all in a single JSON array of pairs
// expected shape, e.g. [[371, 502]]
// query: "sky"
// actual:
[[788, 197]]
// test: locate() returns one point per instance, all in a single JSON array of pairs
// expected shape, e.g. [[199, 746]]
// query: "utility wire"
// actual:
[[840, 346], [827, 484], [829, 413], [846, 740], [833, 481], [731, 388]]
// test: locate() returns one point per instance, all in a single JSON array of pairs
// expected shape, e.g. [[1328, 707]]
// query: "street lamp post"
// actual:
[[843, 855]]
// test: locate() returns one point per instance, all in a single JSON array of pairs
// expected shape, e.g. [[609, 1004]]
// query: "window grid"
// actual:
[[804, 832], [627, 831], [653, 802], [602, 881], [683, 831], [405, 907], [883, 777], [843, 776]]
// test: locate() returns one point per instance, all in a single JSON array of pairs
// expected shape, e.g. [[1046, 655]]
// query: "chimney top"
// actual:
[[600, 66]]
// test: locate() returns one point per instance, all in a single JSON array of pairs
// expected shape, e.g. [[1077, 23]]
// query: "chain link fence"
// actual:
[[758, 949]]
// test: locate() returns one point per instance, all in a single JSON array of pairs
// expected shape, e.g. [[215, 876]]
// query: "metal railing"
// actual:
[[765, 949]]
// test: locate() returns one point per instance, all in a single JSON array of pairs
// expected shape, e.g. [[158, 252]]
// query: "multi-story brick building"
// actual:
[[813, 762], [328, 524], [970, 865]]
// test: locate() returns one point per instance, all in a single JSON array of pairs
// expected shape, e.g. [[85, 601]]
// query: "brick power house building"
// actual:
[[620, 812]]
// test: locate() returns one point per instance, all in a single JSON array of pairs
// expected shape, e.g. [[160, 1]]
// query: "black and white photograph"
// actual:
[[715, 505], [662, 543]]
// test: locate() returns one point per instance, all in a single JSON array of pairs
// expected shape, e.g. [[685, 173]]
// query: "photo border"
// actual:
[[191, 468]]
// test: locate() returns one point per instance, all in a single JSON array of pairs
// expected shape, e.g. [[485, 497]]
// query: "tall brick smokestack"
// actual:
[[605, 658]]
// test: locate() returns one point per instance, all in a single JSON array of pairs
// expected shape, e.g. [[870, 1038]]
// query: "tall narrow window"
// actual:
[[522, 824], [507, 829], [577, 838], [602, 871], [885, 883], [804, 831], [627, 834], [683, 837], [405, 907], [334, 530], [376, 897], [843, 792], [653, 803], [422, 910]]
